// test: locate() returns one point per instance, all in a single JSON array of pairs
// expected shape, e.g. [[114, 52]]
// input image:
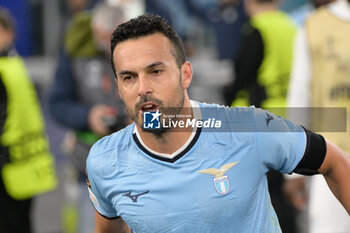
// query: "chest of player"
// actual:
[[209, 185]]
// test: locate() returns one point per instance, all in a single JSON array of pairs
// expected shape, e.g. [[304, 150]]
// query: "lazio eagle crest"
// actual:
[[221, 181]]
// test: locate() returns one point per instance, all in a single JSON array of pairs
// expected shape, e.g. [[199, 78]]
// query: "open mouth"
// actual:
[[148, 107]]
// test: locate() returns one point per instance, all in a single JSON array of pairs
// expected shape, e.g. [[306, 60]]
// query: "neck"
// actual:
[[169, 141]]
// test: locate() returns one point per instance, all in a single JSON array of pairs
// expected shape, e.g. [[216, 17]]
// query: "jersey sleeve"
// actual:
[[99, 201], [281, 144]]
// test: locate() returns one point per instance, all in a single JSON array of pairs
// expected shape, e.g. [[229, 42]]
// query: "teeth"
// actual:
[[148, 106]]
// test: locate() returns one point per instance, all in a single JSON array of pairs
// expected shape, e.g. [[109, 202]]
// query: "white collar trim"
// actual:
[[197, 114]]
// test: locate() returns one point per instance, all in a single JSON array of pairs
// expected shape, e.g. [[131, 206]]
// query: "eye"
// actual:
[[158, 71], [127, 78]]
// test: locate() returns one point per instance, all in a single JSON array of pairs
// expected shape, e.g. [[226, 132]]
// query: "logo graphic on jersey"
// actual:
[[134, 197], [221, 181], [151, 120], [93, 198], [268, 119]]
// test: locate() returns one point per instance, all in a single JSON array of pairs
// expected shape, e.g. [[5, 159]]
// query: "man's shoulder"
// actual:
[[104, 147], [248, 119], [222, 111], [320, 13]]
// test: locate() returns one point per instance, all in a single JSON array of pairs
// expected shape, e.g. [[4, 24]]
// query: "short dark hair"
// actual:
[[144, 25]]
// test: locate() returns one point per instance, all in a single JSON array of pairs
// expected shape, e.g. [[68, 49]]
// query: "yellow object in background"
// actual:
[[31, 167]]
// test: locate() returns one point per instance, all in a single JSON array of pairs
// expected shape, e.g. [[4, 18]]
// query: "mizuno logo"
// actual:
[[134, 197], [268, 119]]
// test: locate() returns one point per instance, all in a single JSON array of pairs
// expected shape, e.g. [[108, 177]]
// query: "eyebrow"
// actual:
[[125, 72], [154, 64], [147, 67]]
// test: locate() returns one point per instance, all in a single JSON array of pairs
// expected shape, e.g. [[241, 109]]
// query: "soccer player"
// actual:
[[198, 180]]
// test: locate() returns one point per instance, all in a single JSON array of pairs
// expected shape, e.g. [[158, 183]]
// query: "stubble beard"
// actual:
[[171, 109]]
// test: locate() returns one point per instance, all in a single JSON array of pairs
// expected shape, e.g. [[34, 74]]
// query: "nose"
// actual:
[[144, 86]]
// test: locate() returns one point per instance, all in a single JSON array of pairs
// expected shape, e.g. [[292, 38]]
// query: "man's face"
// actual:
[[148, 77]]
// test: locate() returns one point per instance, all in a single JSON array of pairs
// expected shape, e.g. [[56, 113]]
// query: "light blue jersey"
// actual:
[[216, 184]]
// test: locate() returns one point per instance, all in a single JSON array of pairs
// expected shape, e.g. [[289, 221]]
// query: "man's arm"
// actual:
[[65, 107], [63, 104], [336, 170], [104, 225]]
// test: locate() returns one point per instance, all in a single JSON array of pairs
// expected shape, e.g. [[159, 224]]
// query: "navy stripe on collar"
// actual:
[[170, 160]]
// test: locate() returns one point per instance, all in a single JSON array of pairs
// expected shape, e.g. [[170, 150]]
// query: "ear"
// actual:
[[186, 71]]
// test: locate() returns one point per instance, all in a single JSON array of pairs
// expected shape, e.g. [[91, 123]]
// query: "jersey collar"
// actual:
[[181, 151]]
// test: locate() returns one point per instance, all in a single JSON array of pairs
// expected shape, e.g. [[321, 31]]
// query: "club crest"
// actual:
[[221, 181], [222, 184]]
